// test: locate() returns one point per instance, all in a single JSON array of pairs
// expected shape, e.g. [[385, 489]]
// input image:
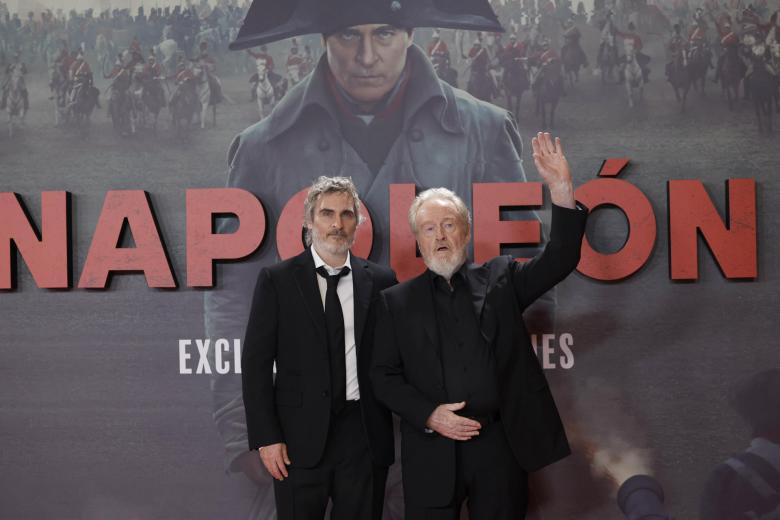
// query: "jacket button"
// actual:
[[416, 135], [323, 145], [325, 393]]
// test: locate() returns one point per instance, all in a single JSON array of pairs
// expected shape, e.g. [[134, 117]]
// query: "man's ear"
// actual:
[[410, 32]]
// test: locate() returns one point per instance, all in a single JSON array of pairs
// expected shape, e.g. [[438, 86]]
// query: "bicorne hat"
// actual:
[[272, 20]]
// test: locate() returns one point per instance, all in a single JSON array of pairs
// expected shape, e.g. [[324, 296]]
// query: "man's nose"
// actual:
[[367, 55]]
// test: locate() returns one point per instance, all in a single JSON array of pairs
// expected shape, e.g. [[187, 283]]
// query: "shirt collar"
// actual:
[[318, 261]]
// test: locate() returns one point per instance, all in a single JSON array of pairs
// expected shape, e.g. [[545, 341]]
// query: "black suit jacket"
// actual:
[[407, 369], [287, 326]]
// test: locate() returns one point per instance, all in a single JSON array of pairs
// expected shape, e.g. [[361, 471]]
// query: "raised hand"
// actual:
[[554, 169]]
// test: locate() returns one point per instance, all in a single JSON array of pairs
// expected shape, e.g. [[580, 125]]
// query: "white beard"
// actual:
[[446, 267]]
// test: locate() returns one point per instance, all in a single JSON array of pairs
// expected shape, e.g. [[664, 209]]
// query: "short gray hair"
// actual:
[[438, 194], [324, 185]]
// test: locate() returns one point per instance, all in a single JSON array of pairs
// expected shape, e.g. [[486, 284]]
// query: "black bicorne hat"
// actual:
[[272, 20]]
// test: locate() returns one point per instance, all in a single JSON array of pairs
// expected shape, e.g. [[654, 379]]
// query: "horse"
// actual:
[[607, 58], [445, 72], [632, 75], [208, 96], [679, 77], [763, 86], [481, 85], [120, 104], [548, 87], [83, 103], [699, 62], [148, 99], [105, 49], [183, 106], [58, 85], [515, 83], [167, 51], [571, 56], [266, 95], [731, 74], [15, 103]]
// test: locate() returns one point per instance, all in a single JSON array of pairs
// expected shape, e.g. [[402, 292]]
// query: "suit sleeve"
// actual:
[[506, 165], [257, 362], [559, 257], [387, 374]]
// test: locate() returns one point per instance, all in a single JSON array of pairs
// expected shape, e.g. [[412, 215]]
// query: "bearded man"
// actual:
[[454, 361], [319, 431]]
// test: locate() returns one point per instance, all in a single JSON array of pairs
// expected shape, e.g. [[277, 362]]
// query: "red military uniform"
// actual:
[[437, 47], [698, 34], [269, 61], [631, 36], [79, 68], [515, 50], [183, 75], [481, 60], [152, 70], [295, 59]]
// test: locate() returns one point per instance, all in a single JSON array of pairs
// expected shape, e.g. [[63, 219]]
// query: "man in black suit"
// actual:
[[319, 430], [453, 358]]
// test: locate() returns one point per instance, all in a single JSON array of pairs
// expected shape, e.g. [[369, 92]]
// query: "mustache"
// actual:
[[341, 234]]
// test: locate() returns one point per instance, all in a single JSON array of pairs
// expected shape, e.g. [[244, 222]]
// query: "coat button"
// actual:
[[323, 145], [416, 135]]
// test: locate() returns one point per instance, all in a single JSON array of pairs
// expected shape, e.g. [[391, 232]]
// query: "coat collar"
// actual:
[[424, 87]]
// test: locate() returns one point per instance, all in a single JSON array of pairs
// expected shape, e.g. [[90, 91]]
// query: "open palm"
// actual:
[[549, 159]]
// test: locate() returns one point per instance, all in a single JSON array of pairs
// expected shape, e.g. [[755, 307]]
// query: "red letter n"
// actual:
[[47, 254], [733, 243]]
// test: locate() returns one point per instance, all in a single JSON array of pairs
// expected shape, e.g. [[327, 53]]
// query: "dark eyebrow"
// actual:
[[385, 28]]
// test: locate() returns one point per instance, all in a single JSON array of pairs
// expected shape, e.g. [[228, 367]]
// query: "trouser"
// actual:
[[488, 476], [346, 475]]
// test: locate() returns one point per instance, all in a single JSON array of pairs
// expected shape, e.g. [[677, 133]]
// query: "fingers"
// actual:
[[543, 144], [455, 406], [275, 460]]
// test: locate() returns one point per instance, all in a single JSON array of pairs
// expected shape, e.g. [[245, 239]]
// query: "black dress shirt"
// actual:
[[467, 360]]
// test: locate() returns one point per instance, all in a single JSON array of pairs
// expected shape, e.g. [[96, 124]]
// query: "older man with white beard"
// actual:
[[454, 361], [316, 426]]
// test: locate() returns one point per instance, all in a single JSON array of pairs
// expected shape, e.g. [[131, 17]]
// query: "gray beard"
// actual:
[[446, 268], [323, 245]]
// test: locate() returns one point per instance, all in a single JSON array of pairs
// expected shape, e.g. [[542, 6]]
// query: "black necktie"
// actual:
[[334, 318]]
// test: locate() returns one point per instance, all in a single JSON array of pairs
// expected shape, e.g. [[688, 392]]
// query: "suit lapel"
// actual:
[[422, 294], [306, 278], [362, 286], [478, 276]]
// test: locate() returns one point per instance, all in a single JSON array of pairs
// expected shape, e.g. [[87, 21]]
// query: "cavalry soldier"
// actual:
[[571, 38], [64, 59], [209, 65], [183, 75], [544, 56], [728, 40], [437, 47], [263, 54], [294, 64], [675, 47], [80, 77], [15, 67], [642, 59], [514, 49], [152, 75]]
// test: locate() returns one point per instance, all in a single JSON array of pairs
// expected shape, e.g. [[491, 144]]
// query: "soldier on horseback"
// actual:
[[151, 77], [209, 66], [16, 67], [674, 48], [571, 39], [729, 42], [80, 77], [437, 47], [641, 58]]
